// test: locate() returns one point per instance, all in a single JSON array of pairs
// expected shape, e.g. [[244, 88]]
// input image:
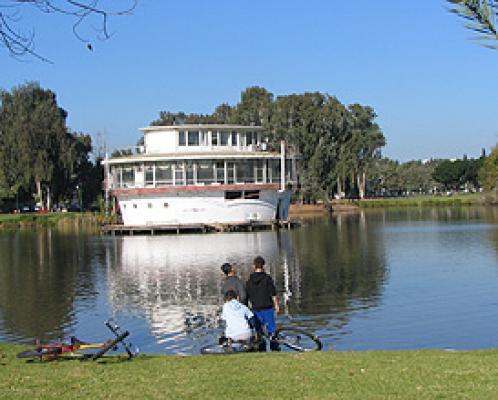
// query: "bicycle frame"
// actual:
[[64, 350]]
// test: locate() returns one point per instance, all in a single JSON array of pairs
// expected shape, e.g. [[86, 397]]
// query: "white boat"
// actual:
[[200, 174]]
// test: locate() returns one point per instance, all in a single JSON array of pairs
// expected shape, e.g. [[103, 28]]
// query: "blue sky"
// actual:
[[434, 90]]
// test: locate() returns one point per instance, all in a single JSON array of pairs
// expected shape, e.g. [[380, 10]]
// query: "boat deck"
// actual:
[[246, 226]]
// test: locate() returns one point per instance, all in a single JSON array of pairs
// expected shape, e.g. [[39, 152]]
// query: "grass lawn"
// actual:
[[325, 375], [420, 201], [48, 219]]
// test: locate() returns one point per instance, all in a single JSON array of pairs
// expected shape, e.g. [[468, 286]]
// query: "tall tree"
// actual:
[[37, 152], [363, 146]]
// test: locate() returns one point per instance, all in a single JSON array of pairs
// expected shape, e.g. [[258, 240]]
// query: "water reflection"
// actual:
[[42, 275], [322, 272]]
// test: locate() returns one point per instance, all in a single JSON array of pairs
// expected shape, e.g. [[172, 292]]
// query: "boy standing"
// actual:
[[262, 294], [238, 318], [232, 282]]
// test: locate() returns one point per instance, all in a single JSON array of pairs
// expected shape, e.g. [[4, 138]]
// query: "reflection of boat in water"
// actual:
[[323, 274], [177, 280]]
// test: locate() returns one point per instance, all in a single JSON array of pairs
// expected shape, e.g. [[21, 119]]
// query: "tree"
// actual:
[[488, 174], [254, 107], [481, 16], [335, 144], [363, 146], [19, 43], [38, 154]]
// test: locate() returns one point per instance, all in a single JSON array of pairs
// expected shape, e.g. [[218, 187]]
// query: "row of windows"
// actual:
[[149, 205], [223, 138], [205, 172]]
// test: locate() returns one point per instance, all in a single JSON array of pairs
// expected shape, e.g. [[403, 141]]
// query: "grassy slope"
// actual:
[[331, 375]]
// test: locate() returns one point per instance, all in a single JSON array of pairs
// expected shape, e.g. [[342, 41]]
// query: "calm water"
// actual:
[[396, 279]]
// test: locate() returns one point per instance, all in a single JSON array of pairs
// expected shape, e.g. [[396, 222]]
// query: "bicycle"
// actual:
[[71, 350], [293, 338]]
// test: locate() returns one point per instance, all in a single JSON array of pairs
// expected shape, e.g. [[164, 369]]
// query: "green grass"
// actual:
[[57, 219], [424, 201], [325, 375]]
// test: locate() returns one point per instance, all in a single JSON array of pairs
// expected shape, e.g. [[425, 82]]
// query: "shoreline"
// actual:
[[354, 205]]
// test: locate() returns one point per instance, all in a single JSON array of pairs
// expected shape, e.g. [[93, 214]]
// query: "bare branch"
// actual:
[[19, 43]]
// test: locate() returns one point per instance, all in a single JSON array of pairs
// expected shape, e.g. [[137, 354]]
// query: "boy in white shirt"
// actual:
[[238, 318]]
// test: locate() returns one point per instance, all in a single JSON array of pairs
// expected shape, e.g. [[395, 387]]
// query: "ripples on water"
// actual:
[[397, 279]]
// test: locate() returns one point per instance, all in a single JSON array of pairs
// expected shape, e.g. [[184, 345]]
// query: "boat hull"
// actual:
[[199, 207]]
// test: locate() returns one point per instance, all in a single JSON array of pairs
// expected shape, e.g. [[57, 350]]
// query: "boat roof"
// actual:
[[206, 155], [206, 127]]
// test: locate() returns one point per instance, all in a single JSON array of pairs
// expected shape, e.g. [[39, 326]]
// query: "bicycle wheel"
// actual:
[[38, 353], [224, 349], [298, 339]]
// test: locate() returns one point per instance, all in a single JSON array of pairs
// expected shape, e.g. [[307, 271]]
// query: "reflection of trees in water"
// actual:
[[342, 265], [41, 275]]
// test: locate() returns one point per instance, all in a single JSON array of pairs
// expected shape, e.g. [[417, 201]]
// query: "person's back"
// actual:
[[260, 290], [262, 294], [232, 282], [237, 317]]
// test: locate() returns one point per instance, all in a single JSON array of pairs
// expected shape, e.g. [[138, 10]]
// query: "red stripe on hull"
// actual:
[[192, 188]]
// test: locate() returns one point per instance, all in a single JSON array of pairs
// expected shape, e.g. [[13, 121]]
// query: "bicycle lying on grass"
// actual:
[[75, 348], [293, 338]]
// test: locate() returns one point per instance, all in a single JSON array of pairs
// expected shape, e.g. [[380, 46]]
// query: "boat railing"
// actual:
[[128, 151]]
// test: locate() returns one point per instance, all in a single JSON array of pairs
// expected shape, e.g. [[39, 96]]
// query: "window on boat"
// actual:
[[245, 171], [190, 172], [179, 174], [193, 138], [234, 138], [275, 170], [205, 172], [252, 138], [149, 205], [230, 172], [164, 174], [115, 177], [128, 177], [220, 172], [233, 195], [260, 167], [251, 194], [149, 175], [224, 138], [214, 138], [203, 138], [181, 138]]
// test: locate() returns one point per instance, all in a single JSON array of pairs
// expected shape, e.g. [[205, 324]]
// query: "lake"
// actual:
[[410, 278]]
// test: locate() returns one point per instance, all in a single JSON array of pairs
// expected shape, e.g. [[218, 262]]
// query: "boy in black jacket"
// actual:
[[262, 294]]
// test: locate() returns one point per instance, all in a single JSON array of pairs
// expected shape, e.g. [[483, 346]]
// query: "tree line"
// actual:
[[336, 143], [339, 147], [41, 160]]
